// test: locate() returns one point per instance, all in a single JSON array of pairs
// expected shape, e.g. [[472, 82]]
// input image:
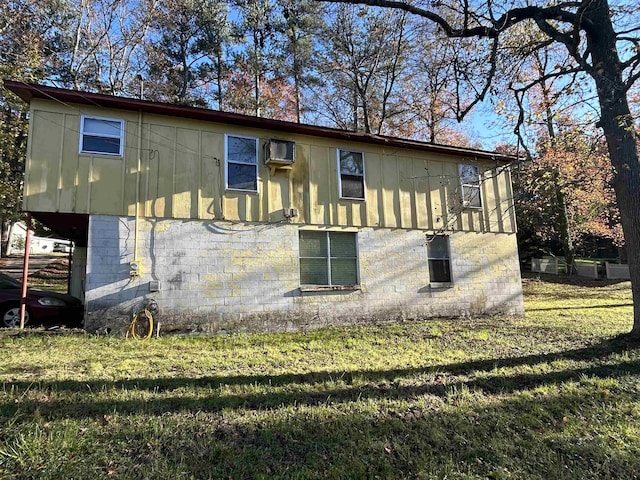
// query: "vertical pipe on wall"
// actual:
[[290, 192], [25, 272], [138, 168]]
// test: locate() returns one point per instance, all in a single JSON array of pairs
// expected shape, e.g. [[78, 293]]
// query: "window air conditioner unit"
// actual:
[[279, 153]]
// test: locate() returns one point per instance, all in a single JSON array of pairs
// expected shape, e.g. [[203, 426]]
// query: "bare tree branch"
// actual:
[[504, 22]]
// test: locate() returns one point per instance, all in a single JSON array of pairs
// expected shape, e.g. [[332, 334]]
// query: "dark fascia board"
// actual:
[[29, 91]]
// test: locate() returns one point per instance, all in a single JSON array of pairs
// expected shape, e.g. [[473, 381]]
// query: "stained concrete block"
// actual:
[[249, 279]]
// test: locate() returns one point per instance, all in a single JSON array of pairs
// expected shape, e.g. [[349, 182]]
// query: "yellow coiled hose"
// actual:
[[141, 327]]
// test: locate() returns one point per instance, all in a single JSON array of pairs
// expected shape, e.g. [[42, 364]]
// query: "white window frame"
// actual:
[[364, 185], [119, 137], [430, 258], [226, 162], [329, 282], [464, 186]]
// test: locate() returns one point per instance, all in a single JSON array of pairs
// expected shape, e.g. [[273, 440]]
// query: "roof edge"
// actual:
[[28, 91]]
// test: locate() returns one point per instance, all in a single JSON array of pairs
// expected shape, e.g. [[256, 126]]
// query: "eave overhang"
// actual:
[[29, 91]]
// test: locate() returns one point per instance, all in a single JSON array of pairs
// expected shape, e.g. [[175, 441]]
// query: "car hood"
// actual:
[[69, 299]]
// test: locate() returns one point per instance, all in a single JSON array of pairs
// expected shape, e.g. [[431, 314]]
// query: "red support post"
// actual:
[[25, 272]]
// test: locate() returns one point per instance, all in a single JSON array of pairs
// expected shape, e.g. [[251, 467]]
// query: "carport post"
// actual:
[[25, 271]]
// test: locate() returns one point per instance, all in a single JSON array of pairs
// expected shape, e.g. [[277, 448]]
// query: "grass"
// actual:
[[555, 394]]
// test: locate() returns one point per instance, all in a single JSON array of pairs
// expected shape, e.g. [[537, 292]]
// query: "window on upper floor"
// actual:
[[101, 135], [439, 259], [351, 174], [241, 163], [328, 258], [470, 185]]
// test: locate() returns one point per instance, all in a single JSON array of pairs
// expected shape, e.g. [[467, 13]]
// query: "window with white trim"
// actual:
[[439, 259], [328, 258], [241, 163], [470, 185], [351, 174], [101, 135]]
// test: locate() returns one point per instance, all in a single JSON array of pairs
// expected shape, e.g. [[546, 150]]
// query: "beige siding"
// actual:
[[182, 176], [436, 195], [83, 188], [42, 187], [186, 174], [319, 191], [105, 182], [161, 159], [421, 194], [390, 204], [450, 196], [212, 181], [373, 181], [299, 183], [508, 209], [68, 176]]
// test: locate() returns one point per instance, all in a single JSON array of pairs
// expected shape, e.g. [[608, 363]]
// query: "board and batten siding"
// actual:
[[182, 177]]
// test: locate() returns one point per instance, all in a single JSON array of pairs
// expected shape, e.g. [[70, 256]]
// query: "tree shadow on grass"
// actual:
[[209, 394], [510, 438], [574, 280], [581, 307], [512, 435]]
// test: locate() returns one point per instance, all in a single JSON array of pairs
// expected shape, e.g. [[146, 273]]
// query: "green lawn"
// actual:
[[551, 395]]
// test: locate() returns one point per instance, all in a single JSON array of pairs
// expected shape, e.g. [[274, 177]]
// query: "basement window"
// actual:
[[470, 185], [241, 163], [328, 259], [439, 259], [100, 135], [351, 177]]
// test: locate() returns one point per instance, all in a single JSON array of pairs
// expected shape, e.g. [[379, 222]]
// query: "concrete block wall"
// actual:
[[218, 276]]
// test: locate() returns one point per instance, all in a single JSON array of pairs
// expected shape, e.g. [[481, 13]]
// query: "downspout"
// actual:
[[25, 272], [137, 217], [135, 265]]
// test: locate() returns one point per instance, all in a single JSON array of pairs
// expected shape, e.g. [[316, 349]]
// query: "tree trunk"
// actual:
[[568, 249], [296, 71], [617, 125], [5, 229], [184, 88], [563, 224], [354, 110], [219, 80], [256, 74], [626, 179]]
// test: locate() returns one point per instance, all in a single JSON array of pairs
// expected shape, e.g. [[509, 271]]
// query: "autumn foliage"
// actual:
[[276, 94], [576, 166]]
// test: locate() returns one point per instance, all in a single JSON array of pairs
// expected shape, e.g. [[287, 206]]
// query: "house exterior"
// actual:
[[39, 245], [236, 223]]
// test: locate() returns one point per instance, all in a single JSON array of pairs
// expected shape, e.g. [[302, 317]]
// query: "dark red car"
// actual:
[[43, 307]]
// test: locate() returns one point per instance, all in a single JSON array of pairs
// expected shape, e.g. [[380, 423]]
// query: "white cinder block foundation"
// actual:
[[218, 276]]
